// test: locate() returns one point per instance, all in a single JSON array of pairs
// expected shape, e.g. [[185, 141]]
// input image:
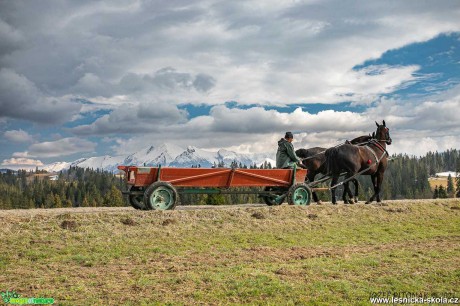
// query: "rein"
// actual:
[[339, 145]]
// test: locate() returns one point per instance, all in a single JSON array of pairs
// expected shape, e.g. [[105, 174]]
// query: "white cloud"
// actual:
[[288, 52], [251, 130], [21, 163], [419, 146], [62, 147], [18, 136], [140, 60], [24, 154]]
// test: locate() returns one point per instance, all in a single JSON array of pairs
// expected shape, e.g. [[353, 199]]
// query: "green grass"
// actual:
[[281, 255]]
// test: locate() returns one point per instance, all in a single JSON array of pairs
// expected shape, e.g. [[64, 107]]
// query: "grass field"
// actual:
[[259, 255], [440, 181]]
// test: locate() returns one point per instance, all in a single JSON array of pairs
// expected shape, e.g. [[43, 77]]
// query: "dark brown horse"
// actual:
[[314, 159], [371, 159]]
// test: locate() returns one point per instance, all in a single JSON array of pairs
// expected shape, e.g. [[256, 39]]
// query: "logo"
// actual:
[[11, 297], [6, 296]]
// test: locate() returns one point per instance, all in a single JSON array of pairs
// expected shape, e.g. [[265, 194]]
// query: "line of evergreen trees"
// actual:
[[405, 178], [76, 187]]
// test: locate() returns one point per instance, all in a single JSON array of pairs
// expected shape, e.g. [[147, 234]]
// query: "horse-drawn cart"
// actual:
[[160, 188]]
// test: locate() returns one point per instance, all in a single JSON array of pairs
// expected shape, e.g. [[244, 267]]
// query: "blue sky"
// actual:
[[95, 78]]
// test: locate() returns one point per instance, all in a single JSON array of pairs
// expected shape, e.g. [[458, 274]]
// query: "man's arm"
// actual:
[[291, 153]]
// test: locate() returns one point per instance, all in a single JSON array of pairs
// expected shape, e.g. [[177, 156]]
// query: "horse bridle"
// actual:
[[387, 136]]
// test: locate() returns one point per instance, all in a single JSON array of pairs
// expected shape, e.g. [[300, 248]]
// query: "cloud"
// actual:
[[416, 127], [21, 99], [134, 119], [18, 136], [419, 146], [21, 163], [217, 51], [254, 129], [10, 37], [62, 147], [140, 60], [22, 154]]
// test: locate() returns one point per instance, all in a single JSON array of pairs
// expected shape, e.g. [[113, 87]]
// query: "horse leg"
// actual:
[[355, 181], [347, 191], [311, 178], [378, 186], [335, 179], [373, 178]]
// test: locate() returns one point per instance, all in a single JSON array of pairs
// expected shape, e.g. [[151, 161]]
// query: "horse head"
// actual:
[[383, 133]]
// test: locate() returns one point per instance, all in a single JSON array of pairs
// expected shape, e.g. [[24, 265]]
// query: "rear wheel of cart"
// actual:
[[161, 196], [270, 199], [136, 200], [299, 194]]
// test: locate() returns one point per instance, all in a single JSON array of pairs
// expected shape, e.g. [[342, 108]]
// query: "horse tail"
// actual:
[[331, 160]]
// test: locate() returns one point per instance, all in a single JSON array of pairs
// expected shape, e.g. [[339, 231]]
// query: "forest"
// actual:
[[405, 178]]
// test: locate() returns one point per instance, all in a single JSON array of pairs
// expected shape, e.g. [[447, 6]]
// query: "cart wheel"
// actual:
[[136, 200], [299, 194], [270, 200], [161, 196]]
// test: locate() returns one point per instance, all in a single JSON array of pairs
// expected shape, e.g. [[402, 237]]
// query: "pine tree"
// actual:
[[436, 192], [57, 201], [113, 198], [457, 183], [68, 203], [49, 202], [442, 192], [450, 187], [85, 202]]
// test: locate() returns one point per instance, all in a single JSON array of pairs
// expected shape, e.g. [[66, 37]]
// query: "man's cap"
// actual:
[[288, 135]]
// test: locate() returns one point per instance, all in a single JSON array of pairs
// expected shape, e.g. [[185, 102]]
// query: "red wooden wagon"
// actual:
[[159, 188]]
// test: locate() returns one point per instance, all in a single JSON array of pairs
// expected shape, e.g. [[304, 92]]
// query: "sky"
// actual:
[[92, 78]]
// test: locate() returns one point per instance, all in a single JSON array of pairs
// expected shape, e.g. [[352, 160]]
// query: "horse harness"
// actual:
[[377, 161], [376, 143]]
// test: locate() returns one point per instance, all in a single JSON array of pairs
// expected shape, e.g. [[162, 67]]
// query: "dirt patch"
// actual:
[[167, 222], [312, 216], [455, 208], [397, 210], [258, 215], [69, 225], [128, 221]]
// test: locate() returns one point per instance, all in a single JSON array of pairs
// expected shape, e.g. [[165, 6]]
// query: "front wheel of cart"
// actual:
[[136, 200], [299, 194], [270, 199], [161, 196]]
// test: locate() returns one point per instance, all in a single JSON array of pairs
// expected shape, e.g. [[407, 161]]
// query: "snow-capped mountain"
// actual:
[[56, 167], [194, 157], [166, 155], [152, 156], [106, 162]]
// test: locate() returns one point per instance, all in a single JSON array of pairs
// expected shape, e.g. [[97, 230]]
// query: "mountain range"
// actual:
[[166, 154]]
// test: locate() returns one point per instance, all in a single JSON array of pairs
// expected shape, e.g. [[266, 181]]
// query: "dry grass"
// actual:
[[258, 255], [440, 181]]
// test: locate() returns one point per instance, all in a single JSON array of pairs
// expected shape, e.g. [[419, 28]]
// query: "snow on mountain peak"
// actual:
[[165, 154]]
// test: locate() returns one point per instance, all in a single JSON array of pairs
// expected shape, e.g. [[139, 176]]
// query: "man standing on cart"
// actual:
[[285, 156]]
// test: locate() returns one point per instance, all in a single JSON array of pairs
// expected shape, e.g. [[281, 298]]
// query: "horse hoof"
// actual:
[[356, 200], [334, 203], [367, 202], [346, 202]]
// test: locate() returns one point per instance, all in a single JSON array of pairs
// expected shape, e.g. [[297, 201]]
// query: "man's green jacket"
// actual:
[[285, 156]]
